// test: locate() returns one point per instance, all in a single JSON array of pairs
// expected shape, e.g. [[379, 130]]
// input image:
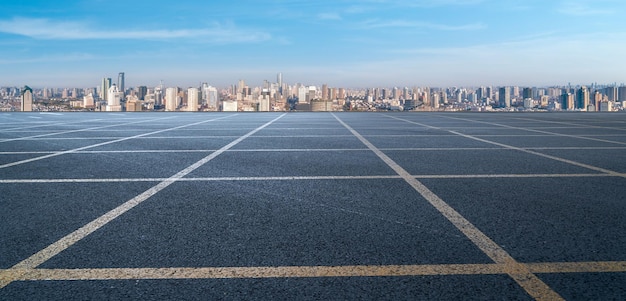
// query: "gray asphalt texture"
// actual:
[[305, 191]]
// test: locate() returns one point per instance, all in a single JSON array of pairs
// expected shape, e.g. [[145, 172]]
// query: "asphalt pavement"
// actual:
[[312, 206]]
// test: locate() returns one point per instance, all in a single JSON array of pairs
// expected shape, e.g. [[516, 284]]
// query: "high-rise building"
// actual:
[[611, 93], [212, 97], [567, 101], [341, 93], [527, 93], [515, 91], [193, 99], [171, 99], [302, 92], [311, 93], [481, 93], [395, 93], [27, 99], [113, 101], [241, 86], [88, 101], [435, 100], [582, 98], [504, 98], [158, 96], [104, 88], [141, 92], [621, 93], [120, 83], [325, 92], [264, 101]]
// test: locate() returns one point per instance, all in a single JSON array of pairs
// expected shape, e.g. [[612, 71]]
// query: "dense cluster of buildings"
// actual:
[[114, 96]]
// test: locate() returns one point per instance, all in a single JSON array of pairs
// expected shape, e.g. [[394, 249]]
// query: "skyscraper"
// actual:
[[210, 95], [113, 101], [193, 98], [325, 92], [27, 99], [567, 101], [504, 98], [104, 88], [141, 92], [120, 83], [527, 93], [621, 93], [171, 99], [582, 98]]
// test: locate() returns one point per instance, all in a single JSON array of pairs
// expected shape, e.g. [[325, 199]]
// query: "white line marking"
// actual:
[[533, 130], [614, 173], [107, 142], [81, 130], [45, 124], [45, 254], [298, 178], [587, 126], [519, 272], [139, 151]]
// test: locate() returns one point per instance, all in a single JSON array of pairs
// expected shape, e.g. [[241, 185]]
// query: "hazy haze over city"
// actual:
[[343, 43]]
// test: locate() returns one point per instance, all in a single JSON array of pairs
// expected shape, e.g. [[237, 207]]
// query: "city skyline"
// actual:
[[340, 43]]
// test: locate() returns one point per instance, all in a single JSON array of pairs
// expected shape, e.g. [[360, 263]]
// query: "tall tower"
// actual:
[[582, 98], [325, 92], [113, 101], [193, 99], [120, 82], [505, 97], [171, 99], [212, 97], [104, 88], [567, 101], [27, 99]]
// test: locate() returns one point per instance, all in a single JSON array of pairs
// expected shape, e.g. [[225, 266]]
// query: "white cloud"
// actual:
[[46, 29], [418, 24], [329, 16], [583, 8], [428, 3]]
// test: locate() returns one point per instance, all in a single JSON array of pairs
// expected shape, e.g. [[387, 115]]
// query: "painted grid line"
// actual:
[[138, 151], [517, 271], [301, 178], [21, 268], [536, 131], [107, 142], [314, 271], [525, 150], [43, 136]]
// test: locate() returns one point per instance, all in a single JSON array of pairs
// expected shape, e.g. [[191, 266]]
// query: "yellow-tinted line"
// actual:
[[70, 239], [310, 271], [527, 280], [261, 272], [578, 267]]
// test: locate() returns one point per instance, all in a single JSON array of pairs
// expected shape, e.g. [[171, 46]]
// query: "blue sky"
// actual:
[[372, 43]]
